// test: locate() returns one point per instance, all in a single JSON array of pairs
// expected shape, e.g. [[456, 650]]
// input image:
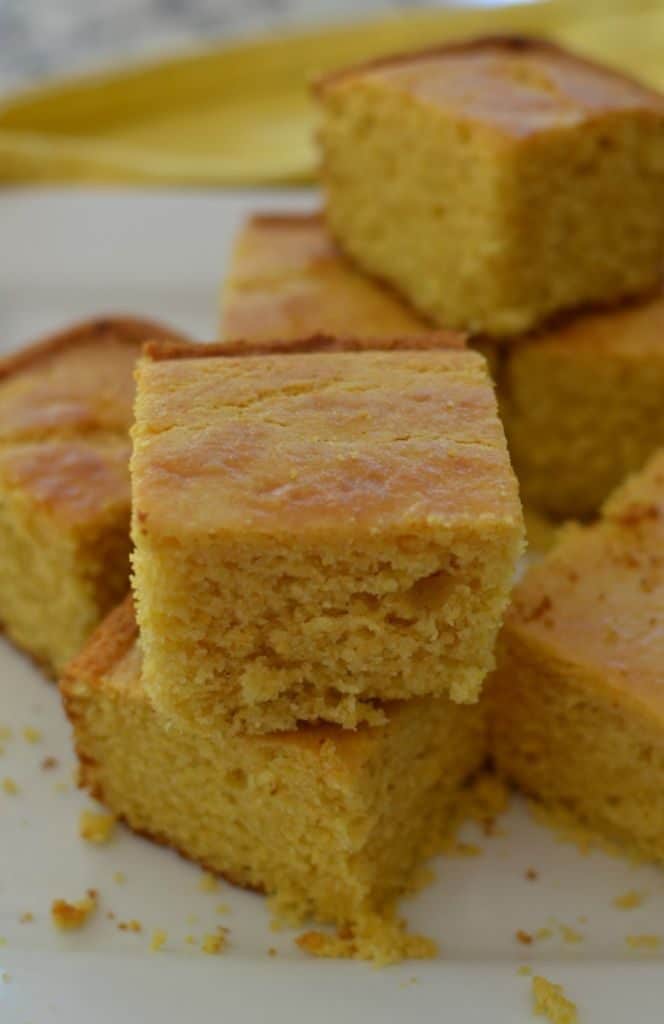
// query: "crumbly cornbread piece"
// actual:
[[317, 532], [497, 181], [550, 1001], [577, 699], [582, 406], [330, 822], [288, 279], [70, 917], [65, 412]]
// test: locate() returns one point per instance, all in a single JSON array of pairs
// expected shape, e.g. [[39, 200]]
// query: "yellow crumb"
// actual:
[[130, 926], [27, 917], [570, 935], [191, 940], [629, 900], [9, 786], [524, 970], [31, 735], [208, 882], [70, 916], [651, 942], [215, 943], [223, 908], [380, 940], [96, 828], [119, 877], [550, 1001], [158, 941]]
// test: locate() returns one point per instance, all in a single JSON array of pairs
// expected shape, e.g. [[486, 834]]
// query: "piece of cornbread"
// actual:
[[578, 697], [65, 412], [330, 822], [288, 280], [315, 532], [582, 406], [497, 181]]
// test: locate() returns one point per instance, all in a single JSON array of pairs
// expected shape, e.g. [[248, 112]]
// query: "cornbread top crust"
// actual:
[[634, 331], [518, 85], [328, 444], [111, 661], [288, 276], [596, 602], [76, 382]]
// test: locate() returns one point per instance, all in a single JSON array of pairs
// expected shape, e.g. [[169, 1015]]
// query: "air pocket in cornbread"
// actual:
[[577, 701], [582, 404], [65, 412], [330, 822], [496, 182], [318, 531]]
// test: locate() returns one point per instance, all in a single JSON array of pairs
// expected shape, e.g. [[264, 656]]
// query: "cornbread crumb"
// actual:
[[72, 916], [570, 935], [119, 877], [9, 786], [208, 882], [550, 1001], [49, 763], [531, 875], [130, 926], [158, 941], [214, 943], [525, 970], [629, 900], [525, 938], [96, 828], [32, 735], [272, 951], [191, 940], [27, 917], [376, 939], [649, 942]]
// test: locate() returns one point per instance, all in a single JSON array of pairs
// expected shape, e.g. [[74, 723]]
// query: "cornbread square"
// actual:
[[582, 407], [496, 182], [65, 412], [578, 697], [317, 531], [288, 279], [330, 822]]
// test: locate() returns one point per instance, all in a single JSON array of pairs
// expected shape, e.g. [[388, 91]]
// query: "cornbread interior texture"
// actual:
[[288, 279], [65, 411], [582, 406], [497, 181], [330, 822], [318, 532], [578, 698]]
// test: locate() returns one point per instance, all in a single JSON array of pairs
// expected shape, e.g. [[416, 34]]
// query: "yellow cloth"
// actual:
[[241, 113]]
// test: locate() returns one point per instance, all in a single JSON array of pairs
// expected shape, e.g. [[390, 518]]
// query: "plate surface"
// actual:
[[64, 255]]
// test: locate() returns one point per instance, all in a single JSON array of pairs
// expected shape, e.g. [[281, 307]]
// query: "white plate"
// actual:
[[68, 254]]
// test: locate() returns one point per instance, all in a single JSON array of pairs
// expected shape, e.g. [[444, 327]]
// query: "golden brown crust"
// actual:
[[512, 44], [107, 646], [286, 220], [161, 351], [132, 330]]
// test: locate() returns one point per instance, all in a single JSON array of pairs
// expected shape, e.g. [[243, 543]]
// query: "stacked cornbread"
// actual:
[[325, 540]]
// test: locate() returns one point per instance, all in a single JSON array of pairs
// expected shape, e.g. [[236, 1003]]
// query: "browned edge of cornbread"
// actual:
[[514, 43], [160, 351], [286, 219], [128, 329]]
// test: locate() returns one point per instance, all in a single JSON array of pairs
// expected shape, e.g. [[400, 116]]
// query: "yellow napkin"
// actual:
[[241, 113]]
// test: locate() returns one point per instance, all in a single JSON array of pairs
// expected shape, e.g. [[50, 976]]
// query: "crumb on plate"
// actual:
[[550, 1001], [32, 735], [651, 942], [71, 916], [629, 900], [158, 941], [9, 786], [214, 943], [96, 827]]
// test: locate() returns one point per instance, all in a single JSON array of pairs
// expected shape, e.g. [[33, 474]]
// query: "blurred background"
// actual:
[[44, 38]]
